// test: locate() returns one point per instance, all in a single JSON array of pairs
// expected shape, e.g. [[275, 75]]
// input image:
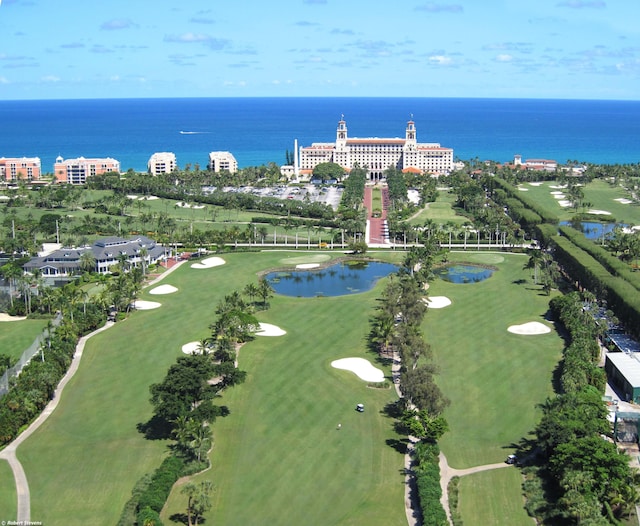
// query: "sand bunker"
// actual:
[[143, 197], [523, 189], [187, 205], [361, 367], [5, 317], [558, 186], [146, 305], [266, 329], [437, 302], [599, 212], [533, 327], [192, 348], [209, 263], [163, 289], [539, 183], [308, 265], [564, 203], [559, 195], [624, 200]]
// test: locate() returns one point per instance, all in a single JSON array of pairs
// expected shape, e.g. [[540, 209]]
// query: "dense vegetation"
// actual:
[[577, 477]]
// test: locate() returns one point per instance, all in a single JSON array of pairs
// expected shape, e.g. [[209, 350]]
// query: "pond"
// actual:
[[463, 273], [337, 280], [592, 229]]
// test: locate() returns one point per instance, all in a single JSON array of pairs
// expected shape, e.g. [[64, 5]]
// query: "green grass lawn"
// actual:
[[8, 509], [278, 458], [488, 499], [281, 450], [84, 461], [599, 193], [441, 211], [17, 336], [493, 378]]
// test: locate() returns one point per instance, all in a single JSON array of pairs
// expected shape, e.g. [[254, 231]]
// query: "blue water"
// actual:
[[337, 280], [259, 130], [463, 273], [593, 229]]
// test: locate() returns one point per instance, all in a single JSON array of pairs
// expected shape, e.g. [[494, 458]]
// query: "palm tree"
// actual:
[[87, 261], [534, 261], [251, 290], [265, 291]]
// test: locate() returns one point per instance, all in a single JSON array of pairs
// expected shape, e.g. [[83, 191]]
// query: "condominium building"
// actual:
[[219, 161], [376, 154], [162, 163], [17, 168], [76, 171]]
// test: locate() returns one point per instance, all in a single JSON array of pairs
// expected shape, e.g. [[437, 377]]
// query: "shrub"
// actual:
[[147, 516], [162, 481]]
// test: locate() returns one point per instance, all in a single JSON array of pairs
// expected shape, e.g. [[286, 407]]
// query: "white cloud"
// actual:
[[50, 78], [198, 38], [4, 80], [504, 57], [117, 23], [442, 60]]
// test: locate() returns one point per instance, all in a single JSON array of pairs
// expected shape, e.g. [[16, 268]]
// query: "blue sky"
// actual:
[[62, 49]]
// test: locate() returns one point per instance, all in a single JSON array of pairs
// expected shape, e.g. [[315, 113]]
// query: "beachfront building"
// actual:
[[19, 168], [546, 165], [378, 154], [219, 161], [162, 163], [76, 171], [62, 264]]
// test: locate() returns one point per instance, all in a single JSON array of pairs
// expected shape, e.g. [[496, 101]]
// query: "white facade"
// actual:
[[379, 154], [162, 163], [219, 161]]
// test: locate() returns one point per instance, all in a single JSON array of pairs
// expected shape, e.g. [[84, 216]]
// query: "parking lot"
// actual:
[[329, 195]]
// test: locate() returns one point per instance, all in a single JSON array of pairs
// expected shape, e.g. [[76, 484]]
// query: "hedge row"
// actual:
[[163, 479], [512, 192], [427, 473], [609, 261], [622, 297]]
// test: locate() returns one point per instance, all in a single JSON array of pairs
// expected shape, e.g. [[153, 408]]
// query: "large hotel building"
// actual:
[[379, 154]]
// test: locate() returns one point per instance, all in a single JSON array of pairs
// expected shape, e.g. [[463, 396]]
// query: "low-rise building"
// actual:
[[547, 165], [19, 168], [162, 163], [623, 371], [76, 171], [60, 265], [219, 161]]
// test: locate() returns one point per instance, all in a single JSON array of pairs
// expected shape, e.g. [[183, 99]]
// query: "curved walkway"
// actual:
[[9, 453], [447, 473], [411, 504]]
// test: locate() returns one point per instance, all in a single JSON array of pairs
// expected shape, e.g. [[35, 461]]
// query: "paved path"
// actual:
[[447, 473], [411, 503], [9, 453], [376, 234]]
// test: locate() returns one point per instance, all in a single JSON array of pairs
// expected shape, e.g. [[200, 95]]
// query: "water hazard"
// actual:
[[463, 273], [337, 280]]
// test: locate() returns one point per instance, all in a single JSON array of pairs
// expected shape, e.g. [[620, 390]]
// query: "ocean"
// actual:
[[260, 130]]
